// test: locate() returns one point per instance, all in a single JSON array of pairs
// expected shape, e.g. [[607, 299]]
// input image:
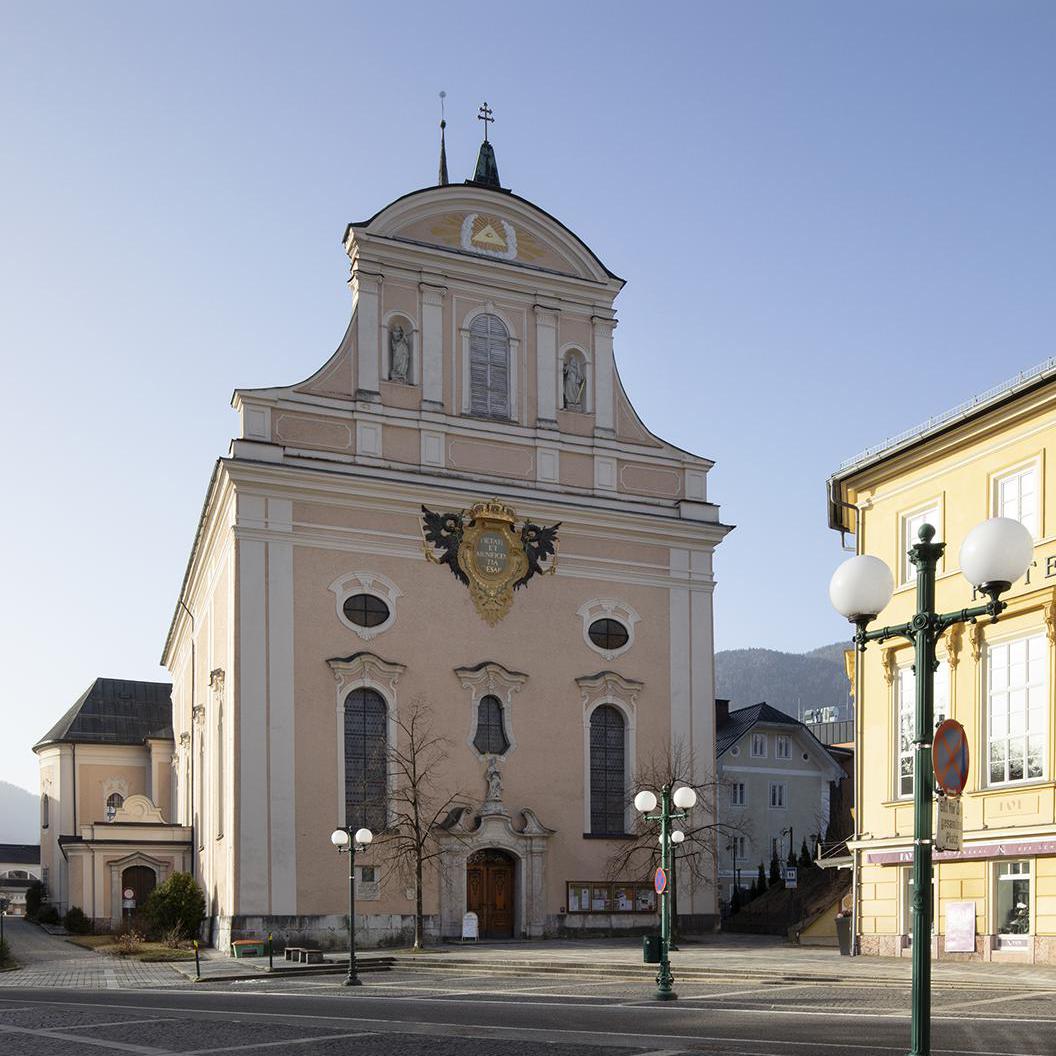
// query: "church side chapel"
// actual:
[[450, 572]]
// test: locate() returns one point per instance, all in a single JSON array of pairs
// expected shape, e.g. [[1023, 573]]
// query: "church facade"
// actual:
[[458, 518]]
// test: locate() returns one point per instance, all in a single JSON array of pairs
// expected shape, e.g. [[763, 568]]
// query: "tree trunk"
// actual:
[[419, 915]]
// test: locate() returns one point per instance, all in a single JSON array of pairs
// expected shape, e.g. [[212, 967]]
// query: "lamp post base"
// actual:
[[664, 981], [352, 980]]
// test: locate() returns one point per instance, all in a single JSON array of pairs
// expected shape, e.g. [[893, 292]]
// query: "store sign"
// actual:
[[949, 827], [960, 927], [1017, 849]]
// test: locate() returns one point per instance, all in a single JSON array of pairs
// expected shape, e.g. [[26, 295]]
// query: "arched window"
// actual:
[[608, 738], [489, 367], [113, 801], [365, 759], [491, 736]]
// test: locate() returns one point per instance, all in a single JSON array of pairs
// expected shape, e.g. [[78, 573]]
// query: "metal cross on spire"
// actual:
[[485, 115]]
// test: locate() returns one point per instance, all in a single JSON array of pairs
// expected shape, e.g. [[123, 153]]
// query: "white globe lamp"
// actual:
[[645, 801], [364, 837], [995, 554], [339, 838], [678, 836], [685, 798], [861, 588]]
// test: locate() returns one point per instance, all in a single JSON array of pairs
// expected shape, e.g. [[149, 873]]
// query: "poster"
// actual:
[[960, 927]]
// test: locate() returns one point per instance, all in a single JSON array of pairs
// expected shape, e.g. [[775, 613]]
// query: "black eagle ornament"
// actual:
[[443, 532], [539, 544]]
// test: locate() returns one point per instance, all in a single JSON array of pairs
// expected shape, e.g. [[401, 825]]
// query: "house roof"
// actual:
[[20, 853], [738, 723], [115, 711]]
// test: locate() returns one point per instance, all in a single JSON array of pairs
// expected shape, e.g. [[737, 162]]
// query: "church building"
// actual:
[[457, 519]]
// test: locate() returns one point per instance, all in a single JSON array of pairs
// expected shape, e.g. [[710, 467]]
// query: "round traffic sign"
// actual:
[[128, 893], [949, 757], [660, 881]]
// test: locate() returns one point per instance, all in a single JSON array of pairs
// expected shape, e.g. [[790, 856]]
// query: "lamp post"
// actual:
[[677, 839], [683, 798], [993, 556], [347, 843]]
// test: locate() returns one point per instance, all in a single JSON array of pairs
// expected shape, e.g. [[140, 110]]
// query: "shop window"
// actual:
[[1017, 709], [1013, 898]]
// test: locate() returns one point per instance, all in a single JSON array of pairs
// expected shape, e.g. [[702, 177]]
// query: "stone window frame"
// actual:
[[607, 687], [611, 609], [363, 670], [415, 373], [110, 786], [588, 376], [491, 679], [365, 582]]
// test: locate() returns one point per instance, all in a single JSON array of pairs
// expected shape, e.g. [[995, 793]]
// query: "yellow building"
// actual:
[[992, 456]]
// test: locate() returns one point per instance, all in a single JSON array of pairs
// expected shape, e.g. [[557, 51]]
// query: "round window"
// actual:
[[365, 610], [608, 634]]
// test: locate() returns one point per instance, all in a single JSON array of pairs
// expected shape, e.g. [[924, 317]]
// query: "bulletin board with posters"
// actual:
[[603, 896]]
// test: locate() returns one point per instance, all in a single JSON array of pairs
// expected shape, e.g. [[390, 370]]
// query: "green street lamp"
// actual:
[[677, 839], [347, 843], [993, 556], [684, 799]]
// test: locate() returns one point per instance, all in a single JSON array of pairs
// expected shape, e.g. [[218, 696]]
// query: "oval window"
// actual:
[[608, 634], [365, 610]]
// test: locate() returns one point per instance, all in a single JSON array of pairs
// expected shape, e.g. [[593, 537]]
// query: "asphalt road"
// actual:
[[421, 1013]]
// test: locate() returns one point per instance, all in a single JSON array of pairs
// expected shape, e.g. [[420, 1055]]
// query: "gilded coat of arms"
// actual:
[[485, 549]]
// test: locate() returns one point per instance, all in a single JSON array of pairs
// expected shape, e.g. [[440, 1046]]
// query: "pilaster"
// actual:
[[432, 301], [546, 365]]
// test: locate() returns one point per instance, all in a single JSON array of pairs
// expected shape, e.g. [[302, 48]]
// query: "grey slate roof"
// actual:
[[728, 733], [20, 853], [116, 711]]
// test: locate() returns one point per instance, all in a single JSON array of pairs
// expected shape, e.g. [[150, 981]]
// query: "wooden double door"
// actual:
[[489, 892]]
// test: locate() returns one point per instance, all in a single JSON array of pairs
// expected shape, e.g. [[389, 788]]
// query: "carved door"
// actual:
[[489, 893], [140, 880]]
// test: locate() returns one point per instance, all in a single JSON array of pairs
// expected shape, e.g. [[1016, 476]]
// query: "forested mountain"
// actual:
[[791, 682]]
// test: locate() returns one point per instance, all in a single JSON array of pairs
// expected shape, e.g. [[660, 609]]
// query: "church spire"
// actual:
[[487, 174], [442, 182]]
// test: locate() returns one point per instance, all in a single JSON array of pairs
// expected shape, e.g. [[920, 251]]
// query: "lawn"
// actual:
[[147, 951]]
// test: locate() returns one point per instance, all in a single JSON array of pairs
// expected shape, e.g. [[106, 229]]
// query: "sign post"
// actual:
[[791, 876], [949, 832], [949, 757]]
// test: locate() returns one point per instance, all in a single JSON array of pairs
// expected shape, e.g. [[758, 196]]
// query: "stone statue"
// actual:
[[399, 355], [574, 384], [494, 778]]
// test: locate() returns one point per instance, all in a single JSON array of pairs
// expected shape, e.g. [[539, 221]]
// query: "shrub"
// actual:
[[177, 903], [129, 942], [47, 915], [805, 860], [775, 871], [760, 880], [34, 898], [75, 922], [173, 938]]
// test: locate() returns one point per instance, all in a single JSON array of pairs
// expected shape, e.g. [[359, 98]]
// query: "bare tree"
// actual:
[[418, 804], [698, 853]]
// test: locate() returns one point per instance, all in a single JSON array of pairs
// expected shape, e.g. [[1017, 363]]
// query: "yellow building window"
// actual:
[[1013, 898], [907, 710], [1017, 709], [1015, 495], [911, 525]]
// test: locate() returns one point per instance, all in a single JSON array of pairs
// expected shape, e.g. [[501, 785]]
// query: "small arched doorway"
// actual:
[[140, 880], [489, 892]]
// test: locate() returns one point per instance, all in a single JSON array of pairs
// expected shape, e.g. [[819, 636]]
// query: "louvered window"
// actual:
[[491, 736], [489, 368], [365, 762], [607, 776]]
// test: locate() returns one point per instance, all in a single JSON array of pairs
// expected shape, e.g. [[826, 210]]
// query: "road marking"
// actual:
[[996, 1000], [119, 1023], [57, 1034], [426, 1027], [272, 1044], [735, 993]]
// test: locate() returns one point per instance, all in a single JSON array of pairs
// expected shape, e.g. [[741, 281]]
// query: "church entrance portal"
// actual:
[[140, 880], [489, 892]]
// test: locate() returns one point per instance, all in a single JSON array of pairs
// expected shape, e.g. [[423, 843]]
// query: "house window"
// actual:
[[113, 802], [489, 367], [739, 845], [366, 768], [365, 610], [1016, 496], [1017, 709], [1013, 898], [911, 525], [777, 794], [607, 634], [607, 775], [491, 736], [758, 745], [783, 748], [907, 718], [738, 796]]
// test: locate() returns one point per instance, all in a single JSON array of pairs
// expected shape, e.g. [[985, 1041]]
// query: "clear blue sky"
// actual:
[[835, 220]]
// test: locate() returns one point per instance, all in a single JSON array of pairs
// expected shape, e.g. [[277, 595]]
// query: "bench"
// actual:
[[248, 948], [309, 956], [293, 953]]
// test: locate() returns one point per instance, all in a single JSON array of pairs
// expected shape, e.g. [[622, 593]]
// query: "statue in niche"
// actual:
[[494, 778], [574, 383], [399, 355]]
